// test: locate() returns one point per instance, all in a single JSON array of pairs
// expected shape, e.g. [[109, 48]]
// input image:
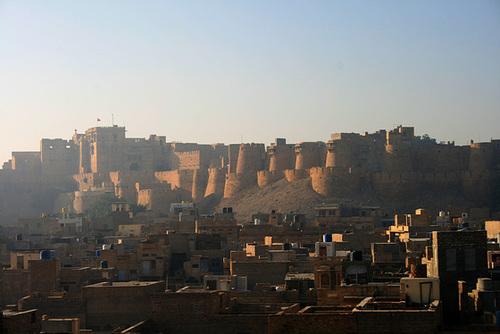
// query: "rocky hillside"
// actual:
[[284, 196]]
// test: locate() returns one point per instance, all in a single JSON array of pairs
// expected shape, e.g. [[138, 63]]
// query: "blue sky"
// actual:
[[222, 71]]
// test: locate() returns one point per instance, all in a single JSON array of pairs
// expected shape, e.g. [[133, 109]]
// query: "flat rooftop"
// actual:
[[123, 284]]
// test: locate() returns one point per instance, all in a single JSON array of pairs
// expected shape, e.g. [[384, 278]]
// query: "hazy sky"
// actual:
[[222, 71]]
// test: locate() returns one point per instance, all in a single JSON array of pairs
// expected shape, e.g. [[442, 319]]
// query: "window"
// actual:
[[325, 280], [451, 259], [470, 259]]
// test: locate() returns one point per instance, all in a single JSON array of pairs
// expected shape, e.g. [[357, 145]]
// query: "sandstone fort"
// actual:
[[396, 164]]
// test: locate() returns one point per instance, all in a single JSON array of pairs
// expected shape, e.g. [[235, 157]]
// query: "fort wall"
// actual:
[[177, 178], [293, 175], [397, 186], [125, 181], [479, 187], [190, 160], [236, 183], [397, 158], [337, 181], [159, 199], [481, 157], [265, 178], [439, 158]]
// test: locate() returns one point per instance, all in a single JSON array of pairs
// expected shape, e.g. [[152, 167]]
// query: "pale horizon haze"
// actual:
[[251, 71]]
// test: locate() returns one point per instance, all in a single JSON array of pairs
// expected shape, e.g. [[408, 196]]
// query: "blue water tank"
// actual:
[[45, 255], [327, 238], [465, 225], [98, 252]]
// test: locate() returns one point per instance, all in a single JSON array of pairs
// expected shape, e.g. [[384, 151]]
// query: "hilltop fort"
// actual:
[[395, 164]]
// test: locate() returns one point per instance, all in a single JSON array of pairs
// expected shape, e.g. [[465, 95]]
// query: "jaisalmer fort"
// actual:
[[363, 233]]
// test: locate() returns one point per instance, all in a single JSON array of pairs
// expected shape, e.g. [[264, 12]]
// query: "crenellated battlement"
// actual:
[[293, 175]]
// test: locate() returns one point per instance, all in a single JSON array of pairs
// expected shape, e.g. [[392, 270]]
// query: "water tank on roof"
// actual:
[[19, 237], [45, 255], [257, 221], [98, 252], [287, 246], [327, 238], [465, 225], [106, 246], [104, 264], [296, 219]]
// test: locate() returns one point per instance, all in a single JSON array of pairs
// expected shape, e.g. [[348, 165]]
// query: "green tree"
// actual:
[[102, 207], [424, 140], [136, 208]]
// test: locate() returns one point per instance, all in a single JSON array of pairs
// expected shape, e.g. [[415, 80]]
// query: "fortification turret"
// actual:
[[200, 180], [309, 154], [397, 150], [251, 158], [281, 156], [216, 181], [340, 153]]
